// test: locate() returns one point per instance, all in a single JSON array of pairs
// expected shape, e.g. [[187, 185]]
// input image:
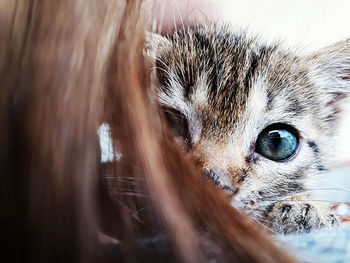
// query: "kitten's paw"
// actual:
[[299, 216]]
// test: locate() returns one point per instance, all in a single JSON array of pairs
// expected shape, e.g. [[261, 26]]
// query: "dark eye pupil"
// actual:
[[276, 143], [275, 138]]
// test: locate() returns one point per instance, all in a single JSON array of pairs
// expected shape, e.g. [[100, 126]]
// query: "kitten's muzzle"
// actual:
[[219, 179]]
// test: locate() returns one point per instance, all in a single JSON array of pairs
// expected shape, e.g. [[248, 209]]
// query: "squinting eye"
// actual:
[[178, 124], [277, 142]]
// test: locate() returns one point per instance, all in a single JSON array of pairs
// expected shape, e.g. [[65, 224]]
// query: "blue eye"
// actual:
[[277, 142]]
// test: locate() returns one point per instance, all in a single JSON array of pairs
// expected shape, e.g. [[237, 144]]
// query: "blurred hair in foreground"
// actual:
[[66, 67]]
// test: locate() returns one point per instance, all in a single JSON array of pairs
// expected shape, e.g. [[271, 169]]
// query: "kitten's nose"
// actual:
[[218, 179]]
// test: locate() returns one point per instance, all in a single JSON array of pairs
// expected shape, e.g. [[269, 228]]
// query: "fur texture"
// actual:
[[228, 87]]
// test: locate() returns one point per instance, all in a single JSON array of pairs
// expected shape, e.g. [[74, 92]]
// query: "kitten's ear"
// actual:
[[155, 43], [330, 69]]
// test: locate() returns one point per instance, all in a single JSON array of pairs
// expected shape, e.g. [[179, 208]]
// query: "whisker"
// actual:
[[174, 20], [130, 178], [304, 192], [335, 184], [158, 59], [161, 69], [129, 194], [178, 11], [144, 208], [302, 200], [166, 66], [328, 189], [128, 190], [264, 226]]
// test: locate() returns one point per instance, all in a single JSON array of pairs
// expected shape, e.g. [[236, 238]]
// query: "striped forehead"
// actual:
[[215, 72]]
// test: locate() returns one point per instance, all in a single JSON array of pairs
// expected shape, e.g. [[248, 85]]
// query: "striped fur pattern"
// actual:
[[228, 87]]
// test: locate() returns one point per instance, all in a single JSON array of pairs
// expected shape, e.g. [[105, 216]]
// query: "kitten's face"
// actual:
[[256, 118]]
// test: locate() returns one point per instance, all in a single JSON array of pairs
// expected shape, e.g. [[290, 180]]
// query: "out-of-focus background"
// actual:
[[307, 25]]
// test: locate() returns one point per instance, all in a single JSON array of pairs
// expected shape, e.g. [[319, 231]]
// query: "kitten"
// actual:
[[258, 119]]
